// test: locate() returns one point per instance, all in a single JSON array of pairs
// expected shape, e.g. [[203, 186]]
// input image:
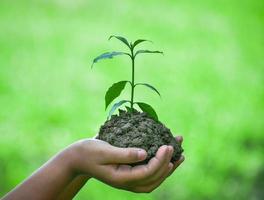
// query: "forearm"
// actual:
[[47, 182], [73, 188]]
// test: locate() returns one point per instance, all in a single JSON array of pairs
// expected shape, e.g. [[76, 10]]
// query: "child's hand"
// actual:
[[107, 163]]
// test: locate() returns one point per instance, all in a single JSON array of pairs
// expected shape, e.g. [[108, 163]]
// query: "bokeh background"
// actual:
[[211, 79]]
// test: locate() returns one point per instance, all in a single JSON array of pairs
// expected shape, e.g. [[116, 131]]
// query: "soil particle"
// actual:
[[137, 129]]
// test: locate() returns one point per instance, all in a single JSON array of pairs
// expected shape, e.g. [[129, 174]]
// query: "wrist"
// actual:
[[74, 156], [64, 162]]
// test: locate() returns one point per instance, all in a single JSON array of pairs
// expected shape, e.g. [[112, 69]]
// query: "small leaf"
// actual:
[[115, 106], [114, 91], [150, 86], [122, 39], [147, 51], [140, 41], [130, 110], [148, 109], [107, 55]]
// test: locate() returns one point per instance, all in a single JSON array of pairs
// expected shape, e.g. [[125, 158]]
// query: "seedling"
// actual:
[[115, 90], [133, 128]]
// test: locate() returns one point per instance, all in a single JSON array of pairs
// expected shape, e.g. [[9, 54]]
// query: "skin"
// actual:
[[68, 171]]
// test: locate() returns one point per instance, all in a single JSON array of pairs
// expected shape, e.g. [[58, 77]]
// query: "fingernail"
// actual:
[[165, 147], [170, 166], [142, 154], [170, 149], [182, 158], [180, 137]]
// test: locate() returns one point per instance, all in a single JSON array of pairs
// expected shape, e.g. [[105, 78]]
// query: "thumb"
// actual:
[[126, 155]]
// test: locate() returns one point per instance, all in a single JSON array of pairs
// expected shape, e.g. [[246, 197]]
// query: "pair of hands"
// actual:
[[65, 174], [108, 163]]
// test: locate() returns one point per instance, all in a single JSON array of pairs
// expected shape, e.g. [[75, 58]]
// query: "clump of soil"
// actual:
[[137, 129]]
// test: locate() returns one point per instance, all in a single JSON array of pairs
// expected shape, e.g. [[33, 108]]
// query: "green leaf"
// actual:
[[140, 41], [122, 39], [115, 106], [147, 51], [129, 109], [107, 55], [148, 109], [150, 86], [114, 91]]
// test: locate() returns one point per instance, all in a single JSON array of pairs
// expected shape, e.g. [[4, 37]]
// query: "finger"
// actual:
[[143, 172], [121, 168], [116, 155], [162, 170], [159, 161], [152, 186], [177, 164], [179, 139]]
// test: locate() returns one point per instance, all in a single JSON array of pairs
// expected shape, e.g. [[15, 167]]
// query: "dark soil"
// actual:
[[137, 129]]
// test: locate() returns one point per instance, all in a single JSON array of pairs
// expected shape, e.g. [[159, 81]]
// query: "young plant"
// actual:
[[115, 90]]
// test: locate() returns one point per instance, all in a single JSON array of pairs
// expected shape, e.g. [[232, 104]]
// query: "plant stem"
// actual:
[[133, 78]]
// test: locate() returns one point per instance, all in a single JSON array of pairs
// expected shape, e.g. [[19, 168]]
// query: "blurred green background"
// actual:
[[211, 79]]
